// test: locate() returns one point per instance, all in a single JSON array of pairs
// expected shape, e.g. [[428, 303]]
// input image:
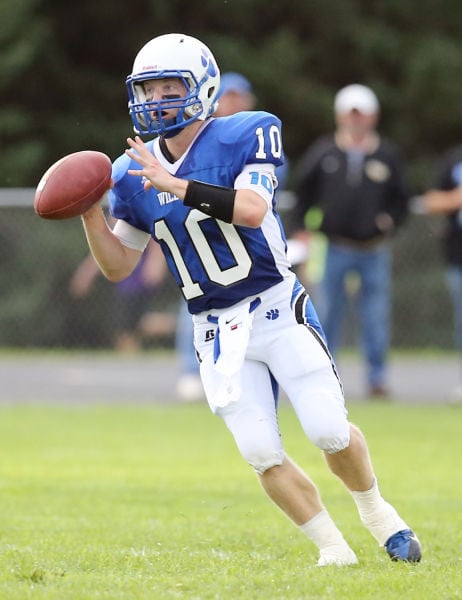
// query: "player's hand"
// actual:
[[97, 209], [154, 173]]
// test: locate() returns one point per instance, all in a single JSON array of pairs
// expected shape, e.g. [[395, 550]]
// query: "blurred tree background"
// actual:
[[63, 69], [62, 89]]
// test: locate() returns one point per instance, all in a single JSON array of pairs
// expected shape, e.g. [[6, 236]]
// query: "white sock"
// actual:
[[322, 530], [333, 549], [380, 518]]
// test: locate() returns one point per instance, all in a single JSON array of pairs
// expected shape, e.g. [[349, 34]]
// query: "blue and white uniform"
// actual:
[[255, 326], [225, 263]]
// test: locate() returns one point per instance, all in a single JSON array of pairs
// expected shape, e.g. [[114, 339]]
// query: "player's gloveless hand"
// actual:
[[153, 172]]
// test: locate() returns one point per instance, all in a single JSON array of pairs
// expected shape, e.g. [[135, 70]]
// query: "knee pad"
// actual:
[[334, 441], [261, 460], [256, 435]]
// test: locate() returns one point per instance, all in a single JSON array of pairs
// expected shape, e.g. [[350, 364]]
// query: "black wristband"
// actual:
[[213, 200]]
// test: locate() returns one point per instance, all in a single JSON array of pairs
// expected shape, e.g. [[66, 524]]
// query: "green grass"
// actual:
[[155, 503]]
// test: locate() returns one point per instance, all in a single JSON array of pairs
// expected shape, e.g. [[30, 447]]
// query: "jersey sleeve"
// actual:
[[119, 195], [259, 178], [130, 236]]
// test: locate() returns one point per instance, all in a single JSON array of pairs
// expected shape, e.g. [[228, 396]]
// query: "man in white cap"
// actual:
[[356, 179]]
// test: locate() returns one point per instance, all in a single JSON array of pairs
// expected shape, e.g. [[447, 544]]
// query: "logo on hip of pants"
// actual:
[[272, 313], [209, 335]]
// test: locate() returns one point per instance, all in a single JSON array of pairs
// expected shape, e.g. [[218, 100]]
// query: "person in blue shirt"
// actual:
[[204, 189]]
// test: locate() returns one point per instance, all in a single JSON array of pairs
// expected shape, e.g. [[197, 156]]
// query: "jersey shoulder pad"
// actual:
[[257, 135], [232, 129]]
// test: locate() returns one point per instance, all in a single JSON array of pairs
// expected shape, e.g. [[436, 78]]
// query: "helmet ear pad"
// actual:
[[193, 110], [177, 56]]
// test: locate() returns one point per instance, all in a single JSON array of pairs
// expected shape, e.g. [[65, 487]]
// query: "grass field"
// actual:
[[154, 502]]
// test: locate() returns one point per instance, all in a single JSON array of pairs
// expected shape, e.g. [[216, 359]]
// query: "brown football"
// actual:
[[73, 184]]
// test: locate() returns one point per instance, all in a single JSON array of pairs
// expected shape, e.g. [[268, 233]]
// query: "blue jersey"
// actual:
[[215, 264]]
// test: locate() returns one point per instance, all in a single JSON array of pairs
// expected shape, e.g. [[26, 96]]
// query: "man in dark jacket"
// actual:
[[356, 179]]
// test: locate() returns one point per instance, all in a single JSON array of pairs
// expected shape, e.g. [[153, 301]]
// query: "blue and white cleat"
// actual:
[[404, 546]]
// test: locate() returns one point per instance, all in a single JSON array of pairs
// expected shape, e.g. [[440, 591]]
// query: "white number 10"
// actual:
[[224, 277], [274, 139]]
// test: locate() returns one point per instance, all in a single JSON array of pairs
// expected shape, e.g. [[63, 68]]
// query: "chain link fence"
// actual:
[[38, 259]]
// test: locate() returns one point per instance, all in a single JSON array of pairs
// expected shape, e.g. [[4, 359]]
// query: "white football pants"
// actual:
[[283, 350]]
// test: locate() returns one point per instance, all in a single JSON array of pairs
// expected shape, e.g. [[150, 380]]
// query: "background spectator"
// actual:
[[356, 179], [446, 198], [133, 300]]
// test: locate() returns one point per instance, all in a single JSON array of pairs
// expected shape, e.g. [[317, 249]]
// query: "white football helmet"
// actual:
[[180, 56]]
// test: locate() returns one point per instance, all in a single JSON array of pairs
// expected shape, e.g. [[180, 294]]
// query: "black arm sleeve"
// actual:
[[213, 200]]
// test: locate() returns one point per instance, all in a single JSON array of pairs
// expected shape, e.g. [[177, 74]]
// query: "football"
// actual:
[[73, 184]]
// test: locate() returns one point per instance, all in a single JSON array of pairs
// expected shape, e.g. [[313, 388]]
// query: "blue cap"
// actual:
[[234, 82]]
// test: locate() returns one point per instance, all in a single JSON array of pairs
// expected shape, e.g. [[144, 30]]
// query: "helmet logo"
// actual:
[[208, 63]]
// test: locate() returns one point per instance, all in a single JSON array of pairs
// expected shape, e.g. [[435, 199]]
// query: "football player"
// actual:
[[204, 189]]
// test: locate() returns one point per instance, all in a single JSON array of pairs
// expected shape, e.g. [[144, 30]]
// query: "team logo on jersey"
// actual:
[[272, 313]]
